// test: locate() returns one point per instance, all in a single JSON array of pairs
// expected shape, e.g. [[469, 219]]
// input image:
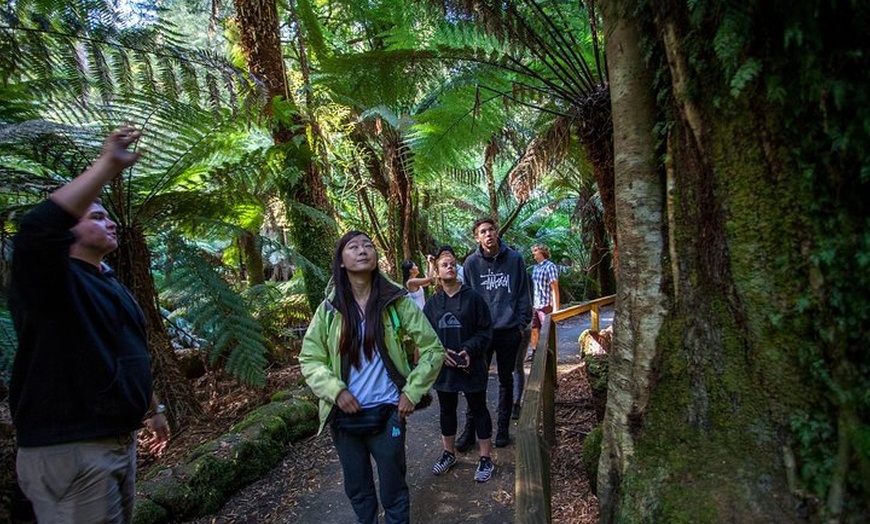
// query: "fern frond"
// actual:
[[97, 53], [541, 156], [8, 346], [219, 315], [313, 30]]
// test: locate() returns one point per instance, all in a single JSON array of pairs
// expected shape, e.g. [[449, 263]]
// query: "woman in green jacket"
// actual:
[[353, 359]]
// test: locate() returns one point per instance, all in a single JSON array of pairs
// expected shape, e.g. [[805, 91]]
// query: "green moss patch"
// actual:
[[591, 455], [218, 468]]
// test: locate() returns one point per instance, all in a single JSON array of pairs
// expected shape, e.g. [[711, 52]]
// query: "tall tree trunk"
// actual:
[[253, 257], [396, 159], [489, 155], [640, 300], [132, 263], [738, 377], [313, 236]]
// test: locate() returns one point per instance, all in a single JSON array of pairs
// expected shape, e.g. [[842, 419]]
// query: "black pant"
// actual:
[[449, 400], [504, 346]]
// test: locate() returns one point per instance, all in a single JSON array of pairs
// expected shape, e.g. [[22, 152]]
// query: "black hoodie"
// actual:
[[462, 322], [503, 282]]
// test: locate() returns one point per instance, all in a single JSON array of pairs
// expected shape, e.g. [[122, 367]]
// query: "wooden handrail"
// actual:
[[536, 434], [593, 306], [536, 429]]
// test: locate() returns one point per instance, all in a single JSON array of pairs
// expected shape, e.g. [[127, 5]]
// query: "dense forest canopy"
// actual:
[[712, 157]]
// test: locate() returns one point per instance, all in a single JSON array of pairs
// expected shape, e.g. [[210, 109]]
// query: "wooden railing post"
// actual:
[[536, 429], [593, 319], [548, 395], [536, 434]]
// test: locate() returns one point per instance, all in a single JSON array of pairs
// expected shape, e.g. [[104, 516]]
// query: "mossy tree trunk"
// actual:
[[737, 396], [252, 249], [310, 211]]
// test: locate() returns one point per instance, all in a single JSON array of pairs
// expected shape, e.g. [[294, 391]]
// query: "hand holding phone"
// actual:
[[459, 358]]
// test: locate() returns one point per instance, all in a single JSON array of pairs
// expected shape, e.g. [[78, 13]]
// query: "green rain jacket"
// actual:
[[320, 361]]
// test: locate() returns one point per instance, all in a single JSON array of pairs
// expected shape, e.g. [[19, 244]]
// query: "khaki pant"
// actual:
[[91, 481]]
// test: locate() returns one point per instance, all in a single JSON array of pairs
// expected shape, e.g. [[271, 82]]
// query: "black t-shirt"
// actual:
[[82, 369]]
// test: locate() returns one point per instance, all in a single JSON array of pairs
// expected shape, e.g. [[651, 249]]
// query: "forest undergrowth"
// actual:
[[226, 402]]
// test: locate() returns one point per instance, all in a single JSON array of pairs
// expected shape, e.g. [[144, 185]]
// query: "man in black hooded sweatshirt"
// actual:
[[499, 274]]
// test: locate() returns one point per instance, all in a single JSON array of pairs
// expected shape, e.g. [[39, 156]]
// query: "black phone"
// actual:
[[460, 359]]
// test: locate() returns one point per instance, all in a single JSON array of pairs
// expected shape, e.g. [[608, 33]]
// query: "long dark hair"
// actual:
[[349, 342], [406, 271]]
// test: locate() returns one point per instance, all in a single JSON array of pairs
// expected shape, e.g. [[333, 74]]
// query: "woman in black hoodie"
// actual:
[[462, 320]]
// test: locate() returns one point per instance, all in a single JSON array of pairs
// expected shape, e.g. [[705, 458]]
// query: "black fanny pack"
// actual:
[[367, 421]]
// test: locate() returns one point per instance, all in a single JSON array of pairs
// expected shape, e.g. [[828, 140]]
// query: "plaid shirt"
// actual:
[[543, 275]]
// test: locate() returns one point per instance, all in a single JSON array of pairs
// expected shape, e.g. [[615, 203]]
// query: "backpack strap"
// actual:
[[330, 316], [390, 366], [395, 376], [394, 318]]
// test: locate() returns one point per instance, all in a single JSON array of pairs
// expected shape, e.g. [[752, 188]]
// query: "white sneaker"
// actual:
[[446, 462], [485, 467]]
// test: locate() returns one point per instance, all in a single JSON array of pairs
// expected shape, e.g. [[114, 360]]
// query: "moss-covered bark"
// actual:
[[220, 467], [754, 412]]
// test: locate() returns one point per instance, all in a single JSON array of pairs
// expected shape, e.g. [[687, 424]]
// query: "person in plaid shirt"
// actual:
[[545, 282]]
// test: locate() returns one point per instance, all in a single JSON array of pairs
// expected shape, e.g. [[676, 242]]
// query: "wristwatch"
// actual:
[[159, 410]]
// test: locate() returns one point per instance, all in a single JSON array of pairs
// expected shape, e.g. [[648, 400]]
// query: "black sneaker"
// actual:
[[515, 412], [501, 439], [446, 462], [485, 467]]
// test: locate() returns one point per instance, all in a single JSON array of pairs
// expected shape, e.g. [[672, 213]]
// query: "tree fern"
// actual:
[[218, 313], [80, 49], [8, 346], [281, 308]]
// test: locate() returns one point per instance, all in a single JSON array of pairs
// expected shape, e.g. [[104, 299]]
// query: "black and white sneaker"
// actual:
[[485, 467], [446, 462]]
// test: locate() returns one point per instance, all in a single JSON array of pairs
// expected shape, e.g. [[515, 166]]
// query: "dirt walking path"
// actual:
[[306, 487]]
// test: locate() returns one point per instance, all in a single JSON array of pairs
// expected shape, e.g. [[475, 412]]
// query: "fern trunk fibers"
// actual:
[[401, 198], [258, 27], [600, 269], [489, 155], [367, 209], [739, 374], [253, 254], [641, 301], [132, 262], [257, 23], [595, 130]]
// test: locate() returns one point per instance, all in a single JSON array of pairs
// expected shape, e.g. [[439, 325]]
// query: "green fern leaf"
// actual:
[[8, 346], [219, 315]]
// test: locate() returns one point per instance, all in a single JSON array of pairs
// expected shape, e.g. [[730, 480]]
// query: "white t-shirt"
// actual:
[[371, 383], [419, 297]]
